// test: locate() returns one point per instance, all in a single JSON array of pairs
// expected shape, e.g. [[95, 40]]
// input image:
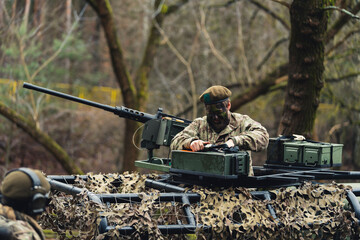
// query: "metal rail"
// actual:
[[176, 194]]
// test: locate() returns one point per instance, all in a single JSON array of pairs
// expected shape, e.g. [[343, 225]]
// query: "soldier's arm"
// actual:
[[183, 139], [254, 138]]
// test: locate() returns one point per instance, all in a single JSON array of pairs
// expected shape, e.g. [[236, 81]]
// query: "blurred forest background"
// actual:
[[171, 51]]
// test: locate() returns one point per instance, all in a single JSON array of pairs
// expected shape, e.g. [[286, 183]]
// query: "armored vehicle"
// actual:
[[290, 162]]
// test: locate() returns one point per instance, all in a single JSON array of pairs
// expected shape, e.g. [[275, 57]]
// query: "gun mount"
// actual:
[[158, 131]]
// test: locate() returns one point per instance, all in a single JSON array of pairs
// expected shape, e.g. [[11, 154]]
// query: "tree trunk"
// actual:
[[43, 6], [68, 79], [306, 67], [269, 80], [60, 155], [26, 14], [134, 92], [128, 89]]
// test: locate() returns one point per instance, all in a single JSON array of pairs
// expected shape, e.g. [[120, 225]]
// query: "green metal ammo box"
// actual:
[[275, 150], [312, 154], [223, 165]]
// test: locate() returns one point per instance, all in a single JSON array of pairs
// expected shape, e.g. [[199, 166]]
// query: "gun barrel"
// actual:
[[120, 111], [69, 97]]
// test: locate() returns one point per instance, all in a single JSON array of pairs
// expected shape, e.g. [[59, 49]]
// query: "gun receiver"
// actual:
[[159, 128]]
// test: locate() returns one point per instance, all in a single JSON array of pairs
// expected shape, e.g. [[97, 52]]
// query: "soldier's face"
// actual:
[[218, 115]]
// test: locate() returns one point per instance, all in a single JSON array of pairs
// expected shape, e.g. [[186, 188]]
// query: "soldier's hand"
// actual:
[[197, 145], [230, 143]]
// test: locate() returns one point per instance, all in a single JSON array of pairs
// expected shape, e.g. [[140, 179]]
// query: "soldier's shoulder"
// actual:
[[242, 119], [18, 229], [7, 212], [239, 116], [197, 124], [199, 120], [11, 221]]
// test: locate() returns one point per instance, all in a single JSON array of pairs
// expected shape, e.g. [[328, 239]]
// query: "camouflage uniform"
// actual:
[[246, 133], [20, 225]]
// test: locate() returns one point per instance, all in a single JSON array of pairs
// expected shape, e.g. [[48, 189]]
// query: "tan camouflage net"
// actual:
[[309, 212]]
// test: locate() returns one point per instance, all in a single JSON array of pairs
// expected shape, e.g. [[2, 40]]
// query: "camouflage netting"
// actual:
[[310, 211]]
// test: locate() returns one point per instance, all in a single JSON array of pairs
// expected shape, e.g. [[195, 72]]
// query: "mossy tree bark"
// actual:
[[270, 80], [42, 138], [306, 67], [134, 90], [128, 90]]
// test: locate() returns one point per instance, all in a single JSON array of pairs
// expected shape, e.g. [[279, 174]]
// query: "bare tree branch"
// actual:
[[340, 23], [262, 7], [214, 50], [270, 12], [286, 4], [343, 11], [278, 76], [175, 7], [187, 65], [32, 130], [341, 102], [269, 53], [241, 46], [261, 88], [350, 75], [348, 35], [59, 50]]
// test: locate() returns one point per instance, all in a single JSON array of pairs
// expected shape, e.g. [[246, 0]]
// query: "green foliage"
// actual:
[[326, 3], [37, 52], [75, 48], [164, 8]]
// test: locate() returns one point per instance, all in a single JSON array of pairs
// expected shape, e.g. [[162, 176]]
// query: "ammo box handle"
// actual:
[[236, 167], [310, 165], [331, 155], [331, 151]]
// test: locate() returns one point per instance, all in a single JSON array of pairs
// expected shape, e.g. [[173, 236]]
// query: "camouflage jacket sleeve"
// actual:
[[250, 134], [183, 139], [19, 225]]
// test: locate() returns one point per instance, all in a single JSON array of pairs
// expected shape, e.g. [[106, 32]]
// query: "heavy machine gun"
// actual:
[[158, 131]]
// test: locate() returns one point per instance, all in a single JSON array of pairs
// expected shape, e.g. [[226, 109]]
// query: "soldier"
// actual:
[[221, 126], [24, 197]]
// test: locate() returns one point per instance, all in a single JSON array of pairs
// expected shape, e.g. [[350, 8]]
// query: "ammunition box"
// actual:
[[221, 165], [275, 150], [312, 154]]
